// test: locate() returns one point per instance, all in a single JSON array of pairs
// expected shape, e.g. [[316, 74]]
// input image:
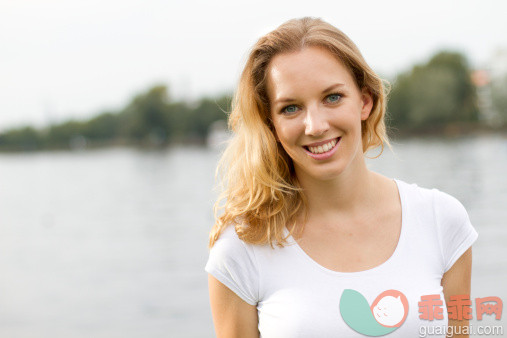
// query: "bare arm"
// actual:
[[456, 281], [232, 316]]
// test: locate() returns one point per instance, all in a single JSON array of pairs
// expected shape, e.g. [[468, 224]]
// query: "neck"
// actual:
[[346, 195]]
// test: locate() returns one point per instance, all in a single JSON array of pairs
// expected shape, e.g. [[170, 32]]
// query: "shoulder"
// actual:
[[229, 244], [229, 250], [448, 207], [414, 191], [234, 264], [440, 203], [445, 215]]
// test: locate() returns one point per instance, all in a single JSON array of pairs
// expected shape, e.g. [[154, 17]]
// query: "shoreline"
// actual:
[[449, 132]]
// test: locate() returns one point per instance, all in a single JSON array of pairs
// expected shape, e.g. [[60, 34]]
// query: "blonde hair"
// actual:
[[257, 178]]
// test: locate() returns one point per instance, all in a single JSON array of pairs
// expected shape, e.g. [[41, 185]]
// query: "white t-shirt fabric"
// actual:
[[297, 297]]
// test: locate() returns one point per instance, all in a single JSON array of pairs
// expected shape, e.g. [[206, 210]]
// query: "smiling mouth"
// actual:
[[322, 149]]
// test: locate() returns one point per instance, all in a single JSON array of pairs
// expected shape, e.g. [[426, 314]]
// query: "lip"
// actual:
[[316, 144], [325, 155]]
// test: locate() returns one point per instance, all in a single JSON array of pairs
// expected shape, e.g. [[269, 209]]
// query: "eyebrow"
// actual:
[[328, 89]]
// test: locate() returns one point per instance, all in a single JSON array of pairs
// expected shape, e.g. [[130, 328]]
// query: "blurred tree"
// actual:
[[499, 97], [179, 118], [102, 127], [26, 138], [146, 118], [434, 94], [206, 112], [60, 135]]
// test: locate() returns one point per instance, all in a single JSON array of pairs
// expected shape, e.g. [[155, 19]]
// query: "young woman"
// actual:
[[311, 243]]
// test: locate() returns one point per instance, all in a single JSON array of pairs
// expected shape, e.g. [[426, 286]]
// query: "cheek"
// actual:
[[288, 132], [349, 117], [288, 140], [287, 144], [285, 136]]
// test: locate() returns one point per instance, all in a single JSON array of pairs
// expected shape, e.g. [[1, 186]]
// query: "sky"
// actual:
[[73, 59]]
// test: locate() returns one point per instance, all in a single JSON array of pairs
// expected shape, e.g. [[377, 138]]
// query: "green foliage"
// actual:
[[434, 94], [62, 134], [149, 119], [499, 97], [103, 127], [208, 111], [147, 116], [26, 138]]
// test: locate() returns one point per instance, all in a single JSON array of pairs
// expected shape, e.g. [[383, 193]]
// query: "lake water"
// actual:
[[113, 243]]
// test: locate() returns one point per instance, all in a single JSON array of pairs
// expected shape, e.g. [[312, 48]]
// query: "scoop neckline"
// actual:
[[377, 268]]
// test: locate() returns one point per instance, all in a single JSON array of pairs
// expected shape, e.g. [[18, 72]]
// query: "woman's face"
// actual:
[[316, 109]]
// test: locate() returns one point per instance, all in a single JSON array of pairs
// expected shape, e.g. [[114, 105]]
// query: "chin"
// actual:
[[330, 176], [326, 174]]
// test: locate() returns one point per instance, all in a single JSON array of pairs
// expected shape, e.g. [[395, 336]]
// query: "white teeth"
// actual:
[[323, 148]]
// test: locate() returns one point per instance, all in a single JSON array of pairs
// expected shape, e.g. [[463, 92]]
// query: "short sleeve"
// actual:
[[456, 232], [232, 262]]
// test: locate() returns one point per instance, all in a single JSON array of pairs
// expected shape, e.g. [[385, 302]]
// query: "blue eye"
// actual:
[[290, 109], [333, 98]]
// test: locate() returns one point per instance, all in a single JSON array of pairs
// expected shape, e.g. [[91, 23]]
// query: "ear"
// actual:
[[367, 101]]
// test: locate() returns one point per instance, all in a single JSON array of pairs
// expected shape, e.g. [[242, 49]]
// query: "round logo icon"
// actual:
[[386, 314]]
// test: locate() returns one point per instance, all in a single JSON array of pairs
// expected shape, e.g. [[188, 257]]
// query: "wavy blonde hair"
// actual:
[[255, 174]]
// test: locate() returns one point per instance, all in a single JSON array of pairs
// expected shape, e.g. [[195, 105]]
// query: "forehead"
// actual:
[[300, 72]]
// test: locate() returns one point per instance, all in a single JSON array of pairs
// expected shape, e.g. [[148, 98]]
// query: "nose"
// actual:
[[316, 122]]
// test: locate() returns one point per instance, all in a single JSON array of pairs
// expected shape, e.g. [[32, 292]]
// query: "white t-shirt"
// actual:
[[297, 297]]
